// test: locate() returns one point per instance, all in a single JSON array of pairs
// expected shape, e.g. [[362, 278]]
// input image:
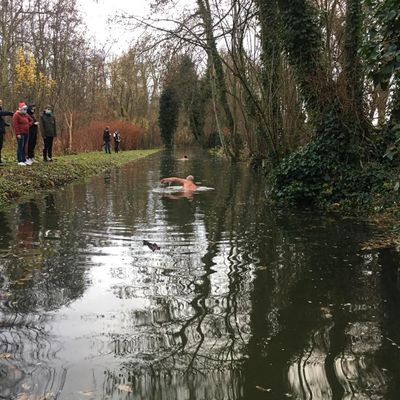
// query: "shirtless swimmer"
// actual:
[[187, 184]]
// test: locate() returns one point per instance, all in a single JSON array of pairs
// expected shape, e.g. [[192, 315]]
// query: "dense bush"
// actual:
[[90, 137], [321, 175], [329, 171]]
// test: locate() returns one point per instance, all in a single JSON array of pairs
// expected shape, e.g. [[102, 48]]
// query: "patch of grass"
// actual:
[[17, 181]]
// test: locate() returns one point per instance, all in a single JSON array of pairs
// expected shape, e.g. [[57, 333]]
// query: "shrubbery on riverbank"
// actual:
[[303, 180], [17, 181]]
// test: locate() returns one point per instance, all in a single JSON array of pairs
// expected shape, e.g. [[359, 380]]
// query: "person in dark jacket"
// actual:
[[21, 123], [117, 140], [33, 130], [106, 140], [49, 132], [3, 125]]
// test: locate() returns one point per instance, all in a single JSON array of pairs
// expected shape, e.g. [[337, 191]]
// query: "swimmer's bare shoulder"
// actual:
[[187, 183]]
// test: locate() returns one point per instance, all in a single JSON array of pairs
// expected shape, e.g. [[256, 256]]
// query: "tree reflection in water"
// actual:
[[307, 375], [39, 274], [31, 351], [356, 368]]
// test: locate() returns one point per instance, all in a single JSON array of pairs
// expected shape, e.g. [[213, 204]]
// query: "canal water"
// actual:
[[241, 301]]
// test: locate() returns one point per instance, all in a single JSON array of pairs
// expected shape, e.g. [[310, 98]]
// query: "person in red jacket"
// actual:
[[21, 122]]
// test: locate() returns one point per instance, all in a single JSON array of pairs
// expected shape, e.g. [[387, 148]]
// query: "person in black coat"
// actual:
[[49, 132], [33, 131], [3, 125], [106, 140]]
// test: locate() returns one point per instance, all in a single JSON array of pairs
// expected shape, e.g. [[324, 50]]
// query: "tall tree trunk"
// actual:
[[352, 65], [271, 68], [69, 122], [303, 42], [221, 90]]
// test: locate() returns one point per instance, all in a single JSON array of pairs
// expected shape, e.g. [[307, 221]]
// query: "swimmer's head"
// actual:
[[190, 178], [185, 156]]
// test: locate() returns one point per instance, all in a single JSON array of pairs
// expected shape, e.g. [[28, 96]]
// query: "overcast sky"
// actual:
[[96, 14]]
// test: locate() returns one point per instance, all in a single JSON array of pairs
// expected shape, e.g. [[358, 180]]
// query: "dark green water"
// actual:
[[240, 302]]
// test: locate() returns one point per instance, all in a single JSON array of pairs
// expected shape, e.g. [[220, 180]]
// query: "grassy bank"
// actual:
[[17, 181]]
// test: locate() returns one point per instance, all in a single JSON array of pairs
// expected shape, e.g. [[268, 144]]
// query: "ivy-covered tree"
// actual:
[[270, 124], [302, 38], [192, 94], [352, 66], [315, 171], [382, 49], [168, 115], [382, 55]]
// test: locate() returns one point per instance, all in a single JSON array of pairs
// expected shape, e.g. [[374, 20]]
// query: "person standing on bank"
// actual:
[[3, 125], [33, 130], [106, 140], [21, 123], [117, 140], [49, 132]]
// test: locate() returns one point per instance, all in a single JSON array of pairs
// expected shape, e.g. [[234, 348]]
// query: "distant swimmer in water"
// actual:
[[187, 184], [184, 158]]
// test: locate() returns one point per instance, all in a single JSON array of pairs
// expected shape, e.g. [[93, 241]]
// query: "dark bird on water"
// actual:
[[151, 246]]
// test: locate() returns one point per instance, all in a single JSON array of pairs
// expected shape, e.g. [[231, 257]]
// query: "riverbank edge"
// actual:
[[17, 182]]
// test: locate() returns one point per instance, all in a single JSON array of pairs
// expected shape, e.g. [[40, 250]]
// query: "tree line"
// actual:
[[46, 57]]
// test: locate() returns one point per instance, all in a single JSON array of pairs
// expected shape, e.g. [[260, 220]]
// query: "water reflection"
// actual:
[[240, 302], [307, 376], [5, 231]]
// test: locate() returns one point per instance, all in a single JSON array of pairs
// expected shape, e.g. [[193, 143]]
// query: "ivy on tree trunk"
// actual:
[[221, 89], [270, 74]]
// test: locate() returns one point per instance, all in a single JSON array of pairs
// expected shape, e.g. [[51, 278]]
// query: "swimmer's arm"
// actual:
[[173, 179]]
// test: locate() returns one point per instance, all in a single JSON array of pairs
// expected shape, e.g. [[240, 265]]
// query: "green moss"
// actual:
[[17, 181]]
